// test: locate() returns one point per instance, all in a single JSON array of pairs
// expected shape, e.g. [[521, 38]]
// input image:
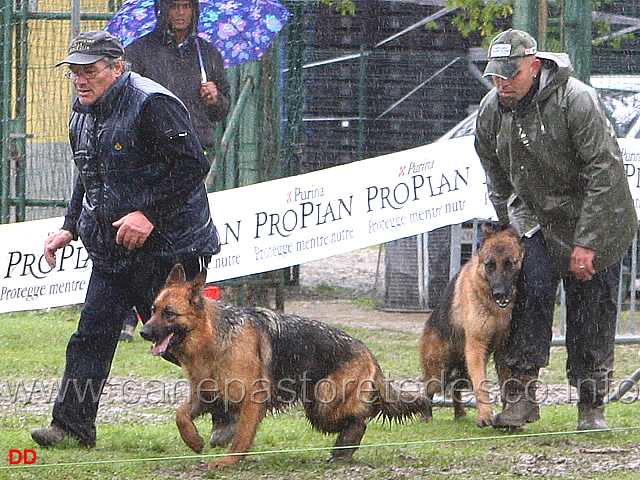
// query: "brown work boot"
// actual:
[[48, 436], [53, 434], [515, 415], [591, 417], [520, 404]]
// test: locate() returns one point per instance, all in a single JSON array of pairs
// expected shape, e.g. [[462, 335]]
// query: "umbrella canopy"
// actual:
[[241, 30]]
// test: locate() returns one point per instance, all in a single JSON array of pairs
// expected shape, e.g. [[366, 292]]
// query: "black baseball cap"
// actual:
[[89, 47]]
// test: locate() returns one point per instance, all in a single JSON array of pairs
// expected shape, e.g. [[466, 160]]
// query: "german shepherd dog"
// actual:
[[472, 321], [252, 360]]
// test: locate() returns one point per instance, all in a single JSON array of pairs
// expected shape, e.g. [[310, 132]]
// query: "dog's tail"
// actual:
[[398, 404]]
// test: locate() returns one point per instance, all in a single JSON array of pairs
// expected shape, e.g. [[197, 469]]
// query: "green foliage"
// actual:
[[603, 29], [478, 16], [343, 7]]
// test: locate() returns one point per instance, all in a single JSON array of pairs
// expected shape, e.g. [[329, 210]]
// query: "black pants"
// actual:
[[591, 320], [91, 348]]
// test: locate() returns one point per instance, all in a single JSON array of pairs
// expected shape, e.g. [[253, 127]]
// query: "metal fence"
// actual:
[[36, 169]]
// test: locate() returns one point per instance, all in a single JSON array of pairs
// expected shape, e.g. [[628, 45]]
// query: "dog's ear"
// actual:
[[200, 279], [176, 276], [197, 288], [491, 228], [488, 228]]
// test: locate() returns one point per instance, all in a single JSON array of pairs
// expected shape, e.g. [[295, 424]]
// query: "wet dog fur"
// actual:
[[252, 360], [472, 321]]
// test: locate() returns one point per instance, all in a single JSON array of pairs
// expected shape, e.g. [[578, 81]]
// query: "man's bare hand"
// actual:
[[133, 230], [53, 242], [209, 93], [582, 263]]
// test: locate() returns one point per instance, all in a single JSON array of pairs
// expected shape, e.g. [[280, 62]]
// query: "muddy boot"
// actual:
[[591, 401], [53, 434], [591, 417], [48, 436], [520, 404]]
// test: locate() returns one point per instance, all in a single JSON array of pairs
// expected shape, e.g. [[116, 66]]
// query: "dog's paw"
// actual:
[[339, 458], [485, 421], [225, 461], [222, 435], [196, 444], [426, 418]]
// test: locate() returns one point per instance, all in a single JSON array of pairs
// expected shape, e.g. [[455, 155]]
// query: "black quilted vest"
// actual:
[[119, 174]]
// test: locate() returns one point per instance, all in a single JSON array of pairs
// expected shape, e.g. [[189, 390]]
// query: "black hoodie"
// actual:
[[157, 56]]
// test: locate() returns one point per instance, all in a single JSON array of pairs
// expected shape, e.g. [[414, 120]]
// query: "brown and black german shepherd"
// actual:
[[251, 360], [472, 321]]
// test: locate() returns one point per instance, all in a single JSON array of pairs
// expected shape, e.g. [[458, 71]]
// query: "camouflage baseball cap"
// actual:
[[506, 52], [89, 47]]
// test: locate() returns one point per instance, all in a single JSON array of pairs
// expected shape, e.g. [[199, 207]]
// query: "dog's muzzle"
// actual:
[[161, 343]]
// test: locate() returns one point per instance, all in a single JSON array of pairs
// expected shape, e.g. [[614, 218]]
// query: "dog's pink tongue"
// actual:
[[160, 348]]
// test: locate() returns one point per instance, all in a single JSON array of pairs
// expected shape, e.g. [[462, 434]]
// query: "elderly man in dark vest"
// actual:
[[139, 206]]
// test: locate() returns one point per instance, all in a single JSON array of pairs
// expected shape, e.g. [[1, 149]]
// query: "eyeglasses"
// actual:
[[71, 75]]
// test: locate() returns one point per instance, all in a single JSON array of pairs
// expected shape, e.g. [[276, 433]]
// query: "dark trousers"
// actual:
[[130, 319], [591, 321], [91, 348]]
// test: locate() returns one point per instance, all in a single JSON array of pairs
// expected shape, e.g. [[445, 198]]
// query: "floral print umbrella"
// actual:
[[241, 30]]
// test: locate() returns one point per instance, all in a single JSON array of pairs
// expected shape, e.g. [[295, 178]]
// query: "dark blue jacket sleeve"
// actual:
[[170, 137], [74, 208]]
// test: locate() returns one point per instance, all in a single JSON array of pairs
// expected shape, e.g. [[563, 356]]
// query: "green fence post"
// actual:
[[362, 104], [271, 114], [18, 133], [526, 16], [229, 136], [294, 86], [249, 153], [577, 38], [5, 103]]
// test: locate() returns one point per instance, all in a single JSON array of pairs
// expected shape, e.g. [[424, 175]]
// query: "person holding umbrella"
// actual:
[[192, 68], [139, 205]]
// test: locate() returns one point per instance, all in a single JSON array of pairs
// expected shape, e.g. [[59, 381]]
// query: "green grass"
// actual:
[[139, 442]]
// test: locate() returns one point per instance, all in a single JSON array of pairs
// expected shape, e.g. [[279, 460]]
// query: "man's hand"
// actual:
[[209, 93], [53, 242], [582, 263], [133, 230]]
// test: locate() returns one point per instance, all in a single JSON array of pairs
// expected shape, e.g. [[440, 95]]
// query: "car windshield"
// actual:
[[624, 107]]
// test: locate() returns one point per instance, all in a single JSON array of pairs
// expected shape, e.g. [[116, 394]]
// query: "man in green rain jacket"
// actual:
[[555, 171]]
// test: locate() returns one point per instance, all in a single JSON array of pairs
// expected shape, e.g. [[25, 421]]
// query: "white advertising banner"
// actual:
[[291, 221]]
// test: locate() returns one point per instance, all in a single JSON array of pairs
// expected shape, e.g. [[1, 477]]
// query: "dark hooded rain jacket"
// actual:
[[556, 163], [158, 57]]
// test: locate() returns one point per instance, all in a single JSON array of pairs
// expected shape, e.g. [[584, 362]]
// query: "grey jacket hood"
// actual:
[[555, 70]]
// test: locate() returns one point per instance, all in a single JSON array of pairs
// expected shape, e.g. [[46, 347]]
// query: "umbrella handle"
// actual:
[[203, 72]]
